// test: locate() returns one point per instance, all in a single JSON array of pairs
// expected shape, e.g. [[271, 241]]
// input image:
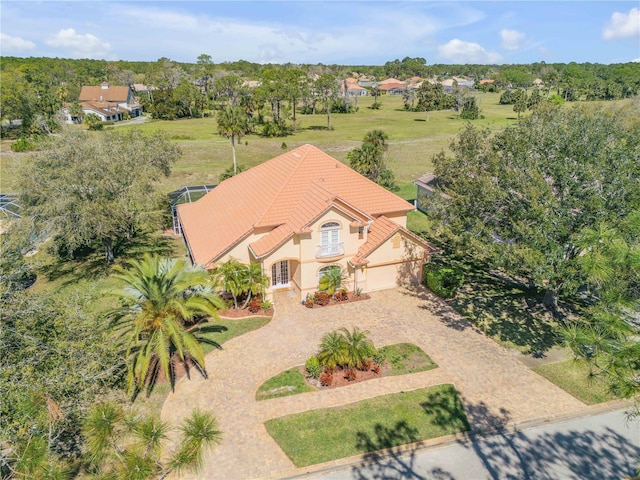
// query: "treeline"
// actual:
[[35, 89]]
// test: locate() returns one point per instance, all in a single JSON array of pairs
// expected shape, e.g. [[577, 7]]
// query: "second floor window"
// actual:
[[330, 238]]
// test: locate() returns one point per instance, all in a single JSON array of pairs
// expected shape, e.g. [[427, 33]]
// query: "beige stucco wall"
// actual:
[[388, 265], [303, 247], [397, 261]]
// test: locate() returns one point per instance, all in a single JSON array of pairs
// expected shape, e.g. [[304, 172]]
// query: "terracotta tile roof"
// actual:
[[390, 80], [381, 230], [391, 86], [285, 193], [92, 93]]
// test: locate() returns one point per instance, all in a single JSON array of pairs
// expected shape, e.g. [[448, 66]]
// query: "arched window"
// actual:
[[330, 244]]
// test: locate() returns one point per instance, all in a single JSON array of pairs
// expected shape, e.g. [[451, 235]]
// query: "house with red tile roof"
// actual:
[[109, 102], [301, 213]]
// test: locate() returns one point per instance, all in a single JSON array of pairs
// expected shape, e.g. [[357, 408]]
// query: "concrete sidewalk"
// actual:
[[495, 387]]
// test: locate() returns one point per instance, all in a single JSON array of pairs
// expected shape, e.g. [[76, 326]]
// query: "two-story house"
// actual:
[[109, 102], [302, 212]]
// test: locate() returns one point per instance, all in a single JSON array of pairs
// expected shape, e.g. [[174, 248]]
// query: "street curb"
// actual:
[[434, 443]]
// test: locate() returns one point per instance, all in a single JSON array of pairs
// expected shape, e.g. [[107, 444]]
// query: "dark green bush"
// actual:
[[443, 281]]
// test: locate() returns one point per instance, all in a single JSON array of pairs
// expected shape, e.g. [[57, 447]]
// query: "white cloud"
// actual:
[[511, 39], [459, 51], [81, 46], [636, 60], [15, 44], [623, 25], [229, 35]]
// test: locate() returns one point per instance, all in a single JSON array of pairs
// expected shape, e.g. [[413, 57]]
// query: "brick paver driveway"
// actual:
[[493, 384]]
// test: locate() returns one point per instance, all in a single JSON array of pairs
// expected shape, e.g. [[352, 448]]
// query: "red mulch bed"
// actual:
[[339, 379], [351, 298]]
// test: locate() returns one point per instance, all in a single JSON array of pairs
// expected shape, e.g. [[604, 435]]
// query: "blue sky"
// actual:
[[340, 32]]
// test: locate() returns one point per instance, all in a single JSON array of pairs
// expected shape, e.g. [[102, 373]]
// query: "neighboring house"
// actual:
[[487, 81], [538, 82], [109, 102], [449, 85], [302, 212], [353, 89], [392, 88], [427, 187]]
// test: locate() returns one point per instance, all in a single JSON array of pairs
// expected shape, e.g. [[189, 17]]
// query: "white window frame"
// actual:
[[280, 270], [330, 244]]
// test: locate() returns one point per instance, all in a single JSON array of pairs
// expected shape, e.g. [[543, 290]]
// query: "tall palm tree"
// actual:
[[164, 304], [360, 349], [233, 123]]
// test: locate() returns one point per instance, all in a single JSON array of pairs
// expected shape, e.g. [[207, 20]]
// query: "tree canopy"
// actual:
[[84, 189], [520, 198], [369, 160]]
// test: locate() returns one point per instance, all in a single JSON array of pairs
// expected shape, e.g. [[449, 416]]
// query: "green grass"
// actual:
[[573, 377], [383, 422], [289, 382], [406, 358], [412, 140]]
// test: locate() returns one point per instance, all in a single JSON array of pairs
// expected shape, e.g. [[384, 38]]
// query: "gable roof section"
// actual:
[[285, 193], [381, 230], [92, 93]]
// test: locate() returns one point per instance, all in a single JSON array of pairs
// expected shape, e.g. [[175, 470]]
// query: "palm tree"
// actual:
[[233, 123], [232, 276], [333, 350], [331, 279], [255, 281], [132, 447], [164, 304], [360, 349]]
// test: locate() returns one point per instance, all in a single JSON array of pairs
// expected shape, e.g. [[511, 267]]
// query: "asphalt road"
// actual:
[[603, 446]]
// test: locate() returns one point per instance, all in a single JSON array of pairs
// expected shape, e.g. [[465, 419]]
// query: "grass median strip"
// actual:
[[406, 358], [289, 382], [383, 422]]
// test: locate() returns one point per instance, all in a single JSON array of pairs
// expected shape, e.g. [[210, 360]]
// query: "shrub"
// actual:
[[341, 295], [265, 305], [350, 374], [443, 281], [255, 305], [375, 106], [275, 129], [321, 298], [23, 144], [313, 367], [308, 303], [380, 357], [326, 378]]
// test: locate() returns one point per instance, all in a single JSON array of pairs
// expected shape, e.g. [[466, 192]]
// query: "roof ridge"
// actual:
[[284, 184]]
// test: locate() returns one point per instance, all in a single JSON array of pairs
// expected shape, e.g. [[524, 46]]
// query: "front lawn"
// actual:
[[573, 377], [383, 422]]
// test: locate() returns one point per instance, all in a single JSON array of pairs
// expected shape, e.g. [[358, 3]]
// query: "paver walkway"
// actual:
[[495, 386]]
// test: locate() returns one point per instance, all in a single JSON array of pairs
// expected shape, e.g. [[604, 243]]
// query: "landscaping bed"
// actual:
[[321, 299], [402, 359]]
